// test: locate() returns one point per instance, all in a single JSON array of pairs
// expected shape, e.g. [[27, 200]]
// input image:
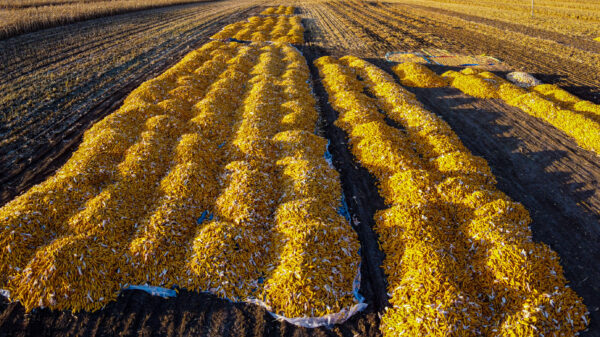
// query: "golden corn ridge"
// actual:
[[210, 178], [413, 74], [577, 118], [279, 10], [281, 28], [459, 256]]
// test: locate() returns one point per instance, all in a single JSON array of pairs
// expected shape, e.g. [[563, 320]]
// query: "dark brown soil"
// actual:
[[137, 313]]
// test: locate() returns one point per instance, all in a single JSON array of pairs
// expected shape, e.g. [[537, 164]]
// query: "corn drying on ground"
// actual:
[[460, 260], [280, 10], [578, 118], [272, 28], [228, 192], [182, 187]]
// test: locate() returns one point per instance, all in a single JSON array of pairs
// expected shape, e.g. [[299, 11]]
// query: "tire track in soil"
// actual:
[[379, 15], [342, 37], [391, 39], [376, 43]]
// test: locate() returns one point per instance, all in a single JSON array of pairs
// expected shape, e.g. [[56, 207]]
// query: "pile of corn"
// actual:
[[287, 29], [413, 74], [567, 100], [577, 118], [209, 177], [467, 82], [281, 10], [460, 260]]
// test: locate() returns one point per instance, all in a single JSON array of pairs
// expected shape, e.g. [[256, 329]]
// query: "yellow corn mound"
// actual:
[[287, 29], [556, 94], [209, 177], [417, 75], [470, 84], [569, 101], [459, 256], [585, 131], [281, 10], [578, 119]]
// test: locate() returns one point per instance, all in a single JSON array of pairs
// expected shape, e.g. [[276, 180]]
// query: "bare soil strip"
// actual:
[[137, 313]]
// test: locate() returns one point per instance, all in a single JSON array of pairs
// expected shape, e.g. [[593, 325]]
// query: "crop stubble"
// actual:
[[91, 67]]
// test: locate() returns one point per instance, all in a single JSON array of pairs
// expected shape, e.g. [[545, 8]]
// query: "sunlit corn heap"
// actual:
[[281, 10], [287, 29], [577, 118], [460, 260], [209, 177], [413, 74]]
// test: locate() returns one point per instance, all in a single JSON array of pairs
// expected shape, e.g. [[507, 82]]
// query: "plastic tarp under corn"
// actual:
[[209, 178]]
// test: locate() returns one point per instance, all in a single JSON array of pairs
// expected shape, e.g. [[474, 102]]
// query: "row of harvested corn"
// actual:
[[459, 256], [286, 29], [209, 177], [577, 118], [280, 10]]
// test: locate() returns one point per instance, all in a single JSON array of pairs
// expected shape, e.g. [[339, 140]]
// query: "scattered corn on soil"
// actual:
[[209, 178], [273, 28], [281, 10], [460, 259]]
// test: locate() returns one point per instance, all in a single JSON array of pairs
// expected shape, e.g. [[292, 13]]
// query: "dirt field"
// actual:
[[534, 163], [18, 17]]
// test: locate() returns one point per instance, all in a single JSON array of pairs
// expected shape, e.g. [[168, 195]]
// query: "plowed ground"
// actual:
[[535, 164]]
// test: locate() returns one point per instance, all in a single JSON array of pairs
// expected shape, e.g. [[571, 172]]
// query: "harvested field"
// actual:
[[500, 202], [57, 83], [23, 16], [377, 27]]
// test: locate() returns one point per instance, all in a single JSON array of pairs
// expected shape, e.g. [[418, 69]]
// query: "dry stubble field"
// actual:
[[50, 96]]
